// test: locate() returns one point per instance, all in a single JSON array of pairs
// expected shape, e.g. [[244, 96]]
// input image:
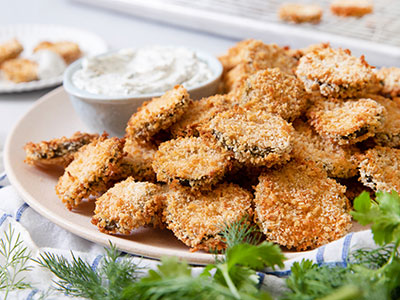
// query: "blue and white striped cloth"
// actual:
[[41, 235]]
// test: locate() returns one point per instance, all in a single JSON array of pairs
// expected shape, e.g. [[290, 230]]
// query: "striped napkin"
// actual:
[[41, 235]]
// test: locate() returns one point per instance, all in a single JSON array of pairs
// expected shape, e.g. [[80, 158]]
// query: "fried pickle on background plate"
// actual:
[[94, 169], [197, 219], [299, 207], [273, 91], [256, 138], [59, 151], [158, 114], [129, 205], [380, 169], [10, 49], [20, 70], [346, 122], [69, 51], [336, 73], [390, 79], [191, 161], [338, 161]]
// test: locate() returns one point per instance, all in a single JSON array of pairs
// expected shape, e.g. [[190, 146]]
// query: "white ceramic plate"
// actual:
[[53, 116], [29, 35]]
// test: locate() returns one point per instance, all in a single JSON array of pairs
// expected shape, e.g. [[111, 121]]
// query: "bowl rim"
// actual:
[[69, 86]]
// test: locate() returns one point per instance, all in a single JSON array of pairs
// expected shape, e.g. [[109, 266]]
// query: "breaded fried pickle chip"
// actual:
[[197, 219], [69, 51], [92, 171], [20, 70], [192, 161], [336, 73], [253, 137], [127, 206], [138, 160], [10, 49], [57, 151], [158, 114], [250, 56], [300, 207], [200, 112], [337, 161], [389, 133], [390, 79], [300, 13], [346, 122], [273, 91], [379, 169]]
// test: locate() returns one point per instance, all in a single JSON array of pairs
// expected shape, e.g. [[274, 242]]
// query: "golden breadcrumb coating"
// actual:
[[336, 73], [58, 151], [338, 161], [380, 169], [10, 49], [390, 78], [200, 112], [346, 122], [300, 13], [250, 56], [20, 70], [92, 171], [389, 133], [158, 114], [351, 8], [69, 51], [197, 219], [138, 161], [273, 91], [128, 205], [254, 137], [191, 161], [299, 207]]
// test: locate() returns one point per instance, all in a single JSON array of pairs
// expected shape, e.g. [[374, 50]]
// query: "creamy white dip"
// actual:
[[50, 64], [142, 71]]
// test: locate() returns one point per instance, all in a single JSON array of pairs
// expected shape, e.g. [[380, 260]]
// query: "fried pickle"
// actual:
[[93, 170], [69, 51], [300, 13], [191, 161], [59, 151], [20, 70], [197, 219], [128, 205], [351, 8], [346, 122], [390, 79], [9, 50], [299, 207]]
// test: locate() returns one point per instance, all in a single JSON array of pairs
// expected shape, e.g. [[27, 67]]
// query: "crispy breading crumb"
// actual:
[[200, 112], [346, 122], [338, 162], [58, 151], [10, 49], [351, 8], [191, 161], [92, 171], [380, 169], [390, 79], [336, 73], [254, 137], [298, 53], [300, 13], [127, 206], [69, 51], [20, 70], [300, 207], [273, 91], [158, 114], [197, 219]]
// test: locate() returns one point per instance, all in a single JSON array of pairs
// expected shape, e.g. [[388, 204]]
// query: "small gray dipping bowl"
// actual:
[[108, 113]]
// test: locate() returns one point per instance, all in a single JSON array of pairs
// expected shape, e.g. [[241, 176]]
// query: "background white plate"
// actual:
[[53, 116], [29, 35]]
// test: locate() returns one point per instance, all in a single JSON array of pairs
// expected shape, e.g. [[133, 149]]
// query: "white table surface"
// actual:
[[118, 30]]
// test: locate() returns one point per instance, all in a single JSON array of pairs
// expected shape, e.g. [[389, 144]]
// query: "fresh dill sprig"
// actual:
[[77, 278], [239, 232], [14, 257]]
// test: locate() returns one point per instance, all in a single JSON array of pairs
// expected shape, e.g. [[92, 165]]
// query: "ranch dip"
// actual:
[[145, 70]]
